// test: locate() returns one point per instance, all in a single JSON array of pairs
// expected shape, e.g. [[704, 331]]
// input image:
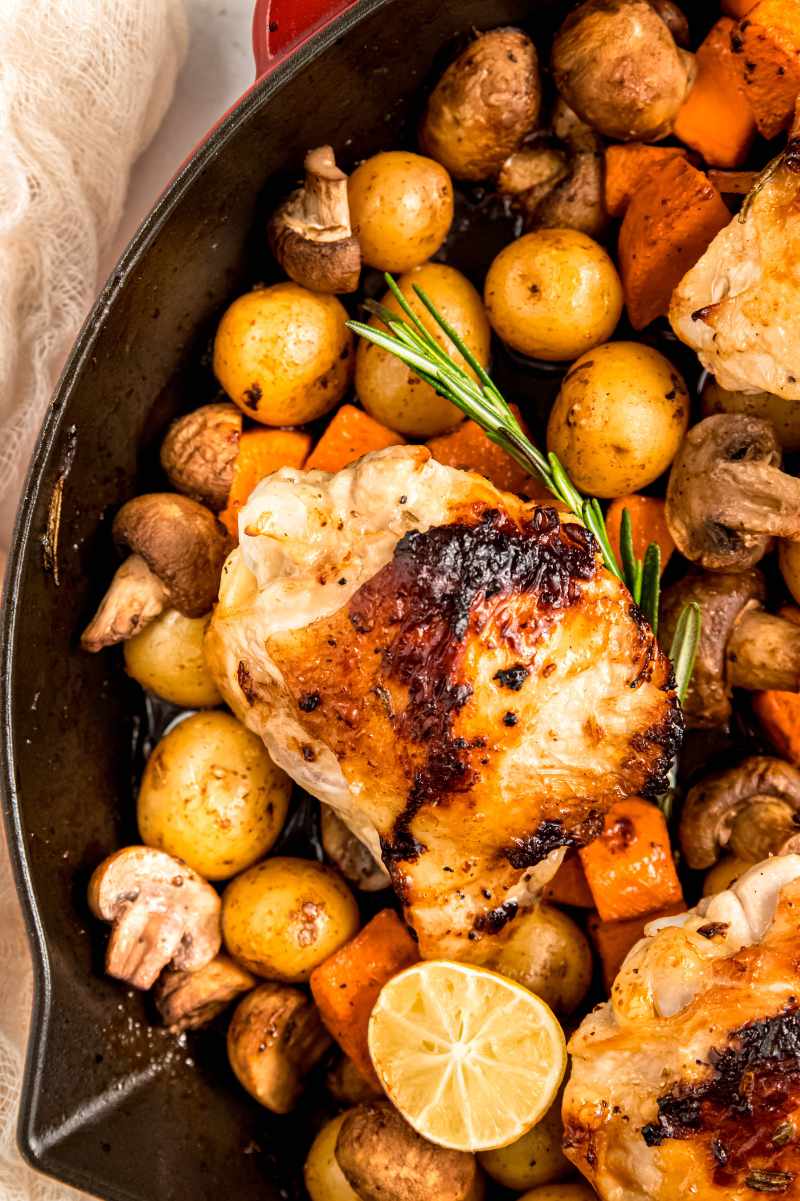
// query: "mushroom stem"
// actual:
[[135, 597], [764, 652], [322, 211], [761, 499]]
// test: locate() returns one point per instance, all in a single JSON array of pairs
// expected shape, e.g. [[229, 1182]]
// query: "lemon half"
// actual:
[[471, 1059]]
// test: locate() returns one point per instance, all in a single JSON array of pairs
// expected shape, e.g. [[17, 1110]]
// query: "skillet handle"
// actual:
[[280, 26]]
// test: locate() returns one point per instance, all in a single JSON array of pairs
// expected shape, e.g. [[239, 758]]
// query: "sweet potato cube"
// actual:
[[351, 433], [717, 119], [767, 45]]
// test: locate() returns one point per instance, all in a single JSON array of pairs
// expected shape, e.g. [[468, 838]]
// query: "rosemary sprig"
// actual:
[[642, 576], [683, 653]]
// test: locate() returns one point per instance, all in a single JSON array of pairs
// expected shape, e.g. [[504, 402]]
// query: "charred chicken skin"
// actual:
[[687, 1082], [451, 669]]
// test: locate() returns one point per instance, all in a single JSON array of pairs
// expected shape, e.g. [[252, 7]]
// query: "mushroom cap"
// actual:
[[275, 1037], [722, 599], [161, 911], [713, 806], [181, 542], [720, 484], [199, 452], [187, 1000], [354, 860]]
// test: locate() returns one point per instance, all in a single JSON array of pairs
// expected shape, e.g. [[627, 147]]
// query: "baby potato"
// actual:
[[387, 388], [325, 1180], [553, 294], [547, 952], [619, 418], [570, 1190], [401, 209], [211, 795], [536, 1158], [168, 658], [783, 414], [723, 874], [789, 562], [284, 354], [283, 917]]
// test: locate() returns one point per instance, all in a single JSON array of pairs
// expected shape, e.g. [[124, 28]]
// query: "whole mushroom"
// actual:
[[178, 548], [530, 173], [384, 1159], [578, 201], [616, 64], [311, 235], [752, 810], [675, 20], [741, 646], [353, 859], [187, 1000], [199, 451], [483, 105], [727, 496], [275, 1038], [161, 913]]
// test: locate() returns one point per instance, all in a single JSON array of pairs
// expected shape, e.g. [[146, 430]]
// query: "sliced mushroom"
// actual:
[[727, 496], [161, 913], [178, 547], [752, 810], [199, 451], [355, 861], [310, 234], [384, 1159], [578, 201], [275, 1038], [347, 1085], [741, 646], [187, 1000]]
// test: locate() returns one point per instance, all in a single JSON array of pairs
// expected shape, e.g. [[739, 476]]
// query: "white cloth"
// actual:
[[84, 84]]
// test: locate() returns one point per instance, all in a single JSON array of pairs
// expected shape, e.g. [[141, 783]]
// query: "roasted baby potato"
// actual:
[[387, 388], [483, 105], [325, 1180], [284, 916], [547, 952], [401, 209], [212, 796], [168, 658], [570, 1190], [783, 414], [789, 562], [619, 418], [725, 872], [553, 294], [534, 1159], [284, 354]]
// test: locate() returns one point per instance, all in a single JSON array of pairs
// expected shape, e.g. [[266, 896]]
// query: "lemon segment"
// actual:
[[471, 1059]]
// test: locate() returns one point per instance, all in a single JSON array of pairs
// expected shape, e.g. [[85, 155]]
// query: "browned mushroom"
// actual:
[[752, 810], [161, 912], [347, 1085], [199, 451], [384, 1159], [675, 20], [578, 201], [617, 65], [727, 496], [532, 172], [275, 1038], [741, 646], [178, 547], [355, 861], [310, 234], [483, 105], [187, 1000]]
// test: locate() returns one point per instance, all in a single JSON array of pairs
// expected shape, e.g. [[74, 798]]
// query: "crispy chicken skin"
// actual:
[[687, 1082], [738, 305], [451, 669]]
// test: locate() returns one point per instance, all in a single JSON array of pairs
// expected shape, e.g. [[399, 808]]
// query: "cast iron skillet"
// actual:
[[111, 1103]]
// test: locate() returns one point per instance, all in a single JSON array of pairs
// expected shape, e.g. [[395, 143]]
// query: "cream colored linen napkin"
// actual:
[[84, 85]]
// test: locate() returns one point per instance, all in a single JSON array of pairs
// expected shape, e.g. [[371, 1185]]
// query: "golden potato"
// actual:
[[325, 1180], [553, 294], [168, 658], [783, 414], [723, 873], [401, 209], [387, 388], [483, 105], [789, 562], [547, 952], [619, 418], [536, 1158], [284, 354], [282, 917], [570, 1190], [211, 795]]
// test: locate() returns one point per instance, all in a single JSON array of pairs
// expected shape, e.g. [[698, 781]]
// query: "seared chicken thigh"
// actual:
[[451, 669], [687, 1082]]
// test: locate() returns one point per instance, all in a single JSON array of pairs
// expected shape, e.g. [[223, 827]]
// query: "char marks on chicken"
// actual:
[[421, 607]]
